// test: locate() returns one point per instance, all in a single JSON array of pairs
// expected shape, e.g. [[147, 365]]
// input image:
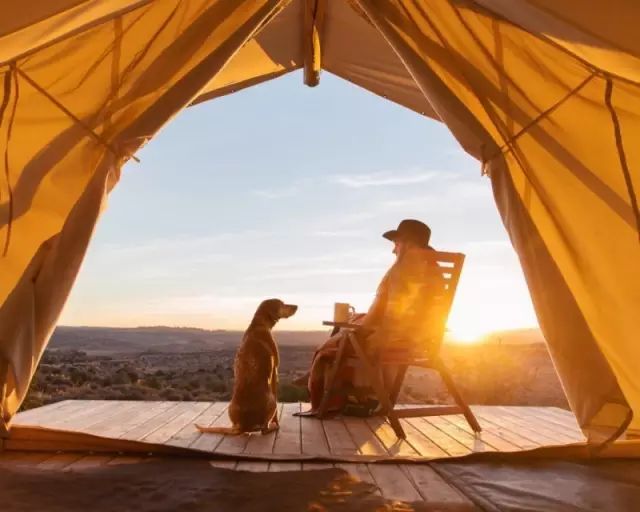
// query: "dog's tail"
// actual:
[[235, 430]]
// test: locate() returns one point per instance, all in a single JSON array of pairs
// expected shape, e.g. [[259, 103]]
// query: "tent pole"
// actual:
[[313, 24], [4, 374]]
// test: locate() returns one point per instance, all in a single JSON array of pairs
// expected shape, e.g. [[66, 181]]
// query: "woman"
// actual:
[[398, 312]]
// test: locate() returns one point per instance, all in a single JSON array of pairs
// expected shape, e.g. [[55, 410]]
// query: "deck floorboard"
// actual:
[[505, 428]]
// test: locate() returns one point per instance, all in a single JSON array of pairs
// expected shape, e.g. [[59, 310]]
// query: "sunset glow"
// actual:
[[240, 226]]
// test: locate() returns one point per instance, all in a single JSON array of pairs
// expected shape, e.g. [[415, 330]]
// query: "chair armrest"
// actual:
[[364, 331]]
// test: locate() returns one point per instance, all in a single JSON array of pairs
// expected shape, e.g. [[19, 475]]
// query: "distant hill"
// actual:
[[515, 337], [108, 340], [105, 340]]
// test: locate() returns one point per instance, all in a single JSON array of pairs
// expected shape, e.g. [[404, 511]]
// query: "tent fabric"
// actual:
[[122, 80], [544, 94], [559, 185]]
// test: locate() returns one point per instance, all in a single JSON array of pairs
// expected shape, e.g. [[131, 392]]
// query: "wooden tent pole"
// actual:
[[313, 24]]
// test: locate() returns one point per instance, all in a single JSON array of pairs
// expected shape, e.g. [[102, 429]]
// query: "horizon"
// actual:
[[233, 202]]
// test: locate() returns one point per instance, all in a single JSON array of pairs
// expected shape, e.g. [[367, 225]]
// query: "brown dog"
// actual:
[[254, 403]]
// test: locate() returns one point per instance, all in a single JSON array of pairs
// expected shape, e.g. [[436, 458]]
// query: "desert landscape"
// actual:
[[166, 363]]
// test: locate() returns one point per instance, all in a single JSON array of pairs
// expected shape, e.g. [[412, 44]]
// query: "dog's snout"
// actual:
[[290, 309]]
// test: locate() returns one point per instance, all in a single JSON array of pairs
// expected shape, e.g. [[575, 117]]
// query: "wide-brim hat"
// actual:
[[411, 230]]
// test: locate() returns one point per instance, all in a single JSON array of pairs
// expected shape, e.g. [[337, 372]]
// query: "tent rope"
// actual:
[[509, 143], [76, 119], [8, 77], [608, 94]]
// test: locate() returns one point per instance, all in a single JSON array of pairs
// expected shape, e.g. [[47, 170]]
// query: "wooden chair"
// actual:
[[423, 353]]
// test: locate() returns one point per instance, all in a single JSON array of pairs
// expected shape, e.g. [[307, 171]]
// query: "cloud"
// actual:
[[458, 195], [383, 178]]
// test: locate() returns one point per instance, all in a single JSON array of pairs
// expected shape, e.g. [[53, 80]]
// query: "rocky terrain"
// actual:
[[161, 363]]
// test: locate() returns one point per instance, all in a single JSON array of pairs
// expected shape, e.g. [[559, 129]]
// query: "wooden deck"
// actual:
[[349, 439]]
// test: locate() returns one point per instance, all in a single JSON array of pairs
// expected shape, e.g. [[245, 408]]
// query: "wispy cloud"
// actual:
[[383, 178], [458, 194]]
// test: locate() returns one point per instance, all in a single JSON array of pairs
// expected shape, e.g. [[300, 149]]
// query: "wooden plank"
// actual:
[[314, 438], [441, 439], [55, 412], [284, 466], [153, 423], [529, 437], [59, 461], [338, 438], [223, 464], [33, 416], [492, 436], [89, 462], [394, 482], [125, 459], [189, 411], [361, 472], [364, 438], [475, 444], [421, 443], [209, 442], [104, 421], [563, 416], [564, 423], [260, 444], [288, 436], [255, 466], [393, 445], [61, 417], [189, 433], [558, 434], [315, 466], [17, 458], [149, 411], [434, 490]]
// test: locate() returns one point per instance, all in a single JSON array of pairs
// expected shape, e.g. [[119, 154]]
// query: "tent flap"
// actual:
[[122, 79]]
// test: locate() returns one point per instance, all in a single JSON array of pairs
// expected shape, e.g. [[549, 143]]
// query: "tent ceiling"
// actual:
[[351, 48]]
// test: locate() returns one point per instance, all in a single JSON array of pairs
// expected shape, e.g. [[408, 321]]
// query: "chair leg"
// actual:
[[330, 378], [378, 385], [468, 413], [397, 384]]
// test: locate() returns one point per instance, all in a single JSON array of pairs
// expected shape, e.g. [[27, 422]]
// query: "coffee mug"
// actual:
[[342, 312]]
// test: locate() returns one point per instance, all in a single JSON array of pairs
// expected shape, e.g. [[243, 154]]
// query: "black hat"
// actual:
[[412, 230]]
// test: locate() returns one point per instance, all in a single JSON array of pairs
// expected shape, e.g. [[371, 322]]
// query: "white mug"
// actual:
[[342, 312]]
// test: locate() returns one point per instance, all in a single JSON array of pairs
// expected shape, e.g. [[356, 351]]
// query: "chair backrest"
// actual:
[[448, 266]]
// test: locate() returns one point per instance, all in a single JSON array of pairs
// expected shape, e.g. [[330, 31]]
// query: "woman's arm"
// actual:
[[375, 314]]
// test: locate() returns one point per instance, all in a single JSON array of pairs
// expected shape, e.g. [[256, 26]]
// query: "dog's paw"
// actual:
[[271, 428]]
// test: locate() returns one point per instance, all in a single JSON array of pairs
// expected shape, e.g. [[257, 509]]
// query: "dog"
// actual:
[[254, 402]]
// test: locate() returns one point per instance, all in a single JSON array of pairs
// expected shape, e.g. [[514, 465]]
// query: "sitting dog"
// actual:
[[254, 403]]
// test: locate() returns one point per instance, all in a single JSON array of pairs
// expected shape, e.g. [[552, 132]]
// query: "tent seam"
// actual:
[[508, 145], [76, 119], [79, 30], [617, 130], [10, 75], [553, 43]]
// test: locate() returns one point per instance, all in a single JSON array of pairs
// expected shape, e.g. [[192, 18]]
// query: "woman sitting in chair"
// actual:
[[399, 311]]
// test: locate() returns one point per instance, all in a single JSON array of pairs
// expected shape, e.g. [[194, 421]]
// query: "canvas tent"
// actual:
[[545, 94]]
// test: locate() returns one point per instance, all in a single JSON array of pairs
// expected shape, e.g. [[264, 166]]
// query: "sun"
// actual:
[[466, 334]]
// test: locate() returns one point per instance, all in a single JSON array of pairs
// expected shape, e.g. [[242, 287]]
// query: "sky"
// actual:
[[282, 190]]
